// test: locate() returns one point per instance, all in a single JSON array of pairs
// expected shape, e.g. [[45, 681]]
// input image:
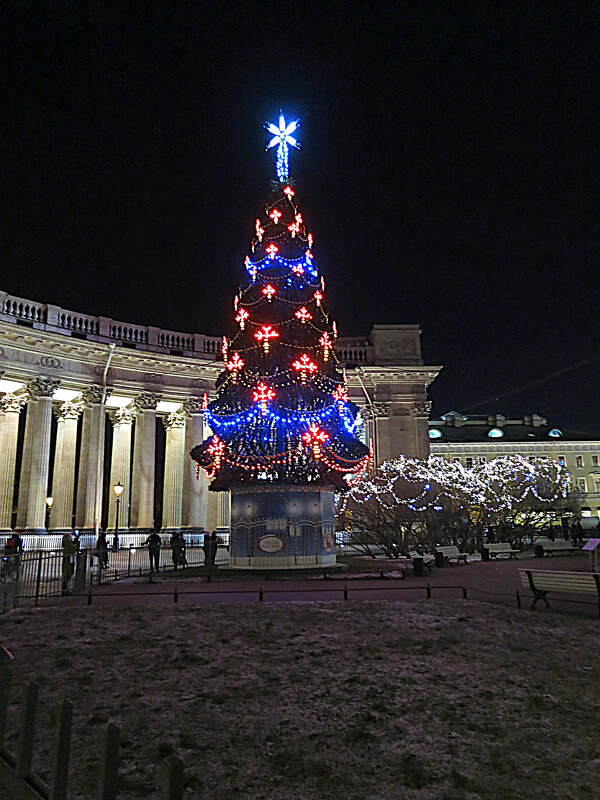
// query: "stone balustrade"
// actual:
[[350, 350]]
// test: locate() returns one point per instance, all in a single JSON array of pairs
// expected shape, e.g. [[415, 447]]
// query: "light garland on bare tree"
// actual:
[[502, 484]]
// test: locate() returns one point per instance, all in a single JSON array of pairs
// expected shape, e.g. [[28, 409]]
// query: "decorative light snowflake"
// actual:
[[282, 138]]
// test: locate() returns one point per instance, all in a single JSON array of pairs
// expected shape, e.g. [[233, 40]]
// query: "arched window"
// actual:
[[495, 433]]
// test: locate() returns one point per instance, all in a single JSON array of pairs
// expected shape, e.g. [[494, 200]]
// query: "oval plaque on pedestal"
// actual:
[[270, 543]]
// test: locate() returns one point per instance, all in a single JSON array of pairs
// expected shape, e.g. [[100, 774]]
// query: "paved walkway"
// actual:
[[494, 581]]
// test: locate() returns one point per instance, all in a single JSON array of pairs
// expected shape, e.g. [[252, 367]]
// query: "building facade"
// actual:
[[468, 439], [89, 402]]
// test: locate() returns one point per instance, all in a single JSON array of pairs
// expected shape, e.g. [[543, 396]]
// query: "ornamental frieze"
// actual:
[[49, 361]]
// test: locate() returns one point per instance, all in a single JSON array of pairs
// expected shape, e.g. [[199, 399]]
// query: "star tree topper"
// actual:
[[283, 140]]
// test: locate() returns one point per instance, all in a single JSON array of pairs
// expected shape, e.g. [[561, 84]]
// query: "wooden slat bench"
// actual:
[[542, 581], [496, 549], [452, 553], [559, 546]]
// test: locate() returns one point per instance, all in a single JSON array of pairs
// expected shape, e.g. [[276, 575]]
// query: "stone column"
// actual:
[[142, 480], [11, 406], [63, 478], [420, 411], [91, 461], [33, 484], [223, 510], [195, 489], [84, 448], [173, 480], [120, 466]]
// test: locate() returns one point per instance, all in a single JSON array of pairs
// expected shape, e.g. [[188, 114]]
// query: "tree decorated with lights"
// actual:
[[281, 416], [282, 410], [408, 502]]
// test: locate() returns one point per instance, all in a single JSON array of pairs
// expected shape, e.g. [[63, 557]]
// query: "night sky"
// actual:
[[449, 170]]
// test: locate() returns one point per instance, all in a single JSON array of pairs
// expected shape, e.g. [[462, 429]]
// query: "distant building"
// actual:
[[469, 439]]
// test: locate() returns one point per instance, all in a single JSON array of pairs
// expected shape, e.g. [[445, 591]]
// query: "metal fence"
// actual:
[[18, 770], [30, 578], [53, 541]]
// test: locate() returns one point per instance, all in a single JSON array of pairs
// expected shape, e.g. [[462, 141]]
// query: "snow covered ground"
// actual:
[[444, 700]]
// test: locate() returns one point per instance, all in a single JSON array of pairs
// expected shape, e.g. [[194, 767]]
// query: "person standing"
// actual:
[[214, 544], [102, 550], [69, 551], [154, 543], [206, 548], [178, 549]]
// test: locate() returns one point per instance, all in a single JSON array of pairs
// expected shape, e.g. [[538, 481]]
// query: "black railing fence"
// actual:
[[30, 578]]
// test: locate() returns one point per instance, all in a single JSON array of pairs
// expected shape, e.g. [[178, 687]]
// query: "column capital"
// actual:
[[146, 401], [13, 403], [174, 420], [422, 408], [125, 415], [42, 387], [378, 410], [92, 395], [70, 410], [193, 405]]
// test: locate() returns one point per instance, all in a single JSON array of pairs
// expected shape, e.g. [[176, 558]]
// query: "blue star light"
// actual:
[[282, 138]]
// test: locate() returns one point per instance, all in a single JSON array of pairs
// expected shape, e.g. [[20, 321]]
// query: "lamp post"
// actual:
[[118, 489], [49, 501]]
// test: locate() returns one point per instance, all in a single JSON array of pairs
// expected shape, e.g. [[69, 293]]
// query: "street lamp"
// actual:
[[118, 489], [49, 501]]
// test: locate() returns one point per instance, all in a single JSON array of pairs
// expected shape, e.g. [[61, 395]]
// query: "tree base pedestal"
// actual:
[[281, 527]]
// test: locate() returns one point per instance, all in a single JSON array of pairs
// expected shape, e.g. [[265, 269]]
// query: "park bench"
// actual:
[[552, 548], [497, 549], [543, 581], [451, 553]]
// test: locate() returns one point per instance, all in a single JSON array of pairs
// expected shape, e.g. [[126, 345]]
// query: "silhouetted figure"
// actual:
[[102, 550], [154, 543], [178, 550], [69, 554], [214, 544]]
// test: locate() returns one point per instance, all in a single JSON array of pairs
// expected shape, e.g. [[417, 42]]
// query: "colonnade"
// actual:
[[77, 479]]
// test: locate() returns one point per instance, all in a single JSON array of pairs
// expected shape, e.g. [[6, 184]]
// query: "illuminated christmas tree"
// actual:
[[281, 418]]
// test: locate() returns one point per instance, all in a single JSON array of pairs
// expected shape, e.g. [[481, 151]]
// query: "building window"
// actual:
[[581, 485], [561, 461], [481, 459], [495, 433], [456, 460], [597, 485], [579, 461], [435, 433], [555, 433], [468, 462], [532, 459], [595, 461]]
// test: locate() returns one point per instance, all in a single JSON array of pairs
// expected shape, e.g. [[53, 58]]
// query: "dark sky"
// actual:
[[449, 170]]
